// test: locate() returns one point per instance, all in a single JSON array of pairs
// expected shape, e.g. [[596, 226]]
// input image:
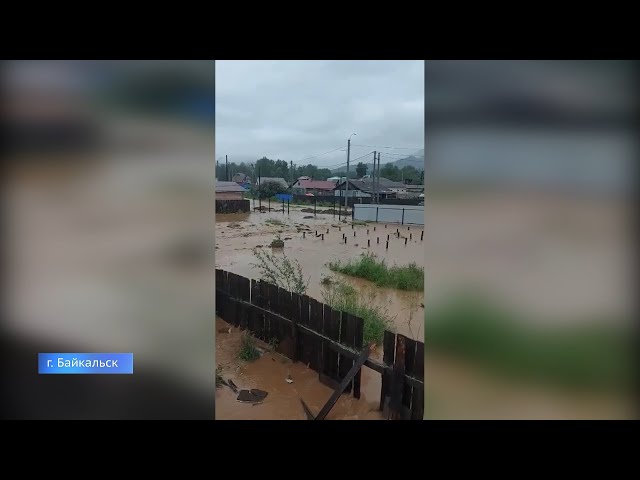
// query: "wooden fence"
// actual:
[[233, 206], [351, 201], [326, 340]]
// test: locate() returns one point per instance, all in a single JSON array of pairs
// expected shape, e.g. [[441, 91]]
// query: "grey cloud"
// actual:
[[296, 109]]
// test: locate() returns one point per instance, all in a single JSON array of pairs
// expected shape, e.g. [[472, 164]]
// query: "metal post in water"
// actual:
[[405, 240], [368, 242], [387, 245], [378, 240], [421, 235]]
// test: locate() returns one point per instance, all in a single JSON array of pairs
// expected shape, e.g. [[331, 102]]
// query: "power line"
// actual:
[[396, 154], [366, 154], [395, 148], [325, 153]]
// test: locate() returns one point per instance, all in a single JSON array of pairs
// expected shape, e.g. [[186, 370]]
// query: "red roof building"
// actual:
[[316, 187]]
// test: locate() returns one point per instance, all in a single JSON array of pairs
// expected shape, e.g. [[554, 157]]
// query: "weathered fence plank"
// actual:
[[295, 319], [305, 352], [395, 403], [347, 331], [343, 384], [315, 322], [407, 393], [388, 346], [358, 344]]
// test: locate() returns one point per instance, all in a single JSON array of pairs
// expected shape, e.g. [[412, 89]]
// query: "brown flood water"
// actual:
[[236, 237]]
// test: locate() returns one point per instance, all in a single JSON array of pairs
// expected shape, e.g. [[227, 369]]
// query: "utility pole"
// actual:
[[226, 168], [378, 187], [374, 176], [346, 198], [346, 195], [291, 168]]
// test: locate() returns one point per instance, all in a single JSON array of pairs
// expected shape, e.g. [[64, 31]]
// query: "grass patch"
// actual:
[[595, 356], [408, 277], [248, 351], [339, 295]]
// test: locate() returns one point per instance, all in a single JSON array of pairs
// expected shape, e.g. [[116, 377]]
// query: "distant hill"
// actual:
[[416, 160]]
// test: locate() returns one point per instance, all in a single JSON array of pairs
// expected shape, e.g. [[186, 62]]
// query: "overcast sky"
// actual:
[[293, 109]]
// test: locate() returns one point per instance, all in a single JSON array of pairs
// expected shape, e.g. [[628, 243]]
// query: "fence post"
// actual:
[[403, 216], [287, 207], [315, 203], [377, 210]]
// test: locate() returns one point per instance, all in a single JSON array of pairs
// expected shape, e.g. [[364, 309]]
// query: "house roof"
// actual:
[[238, 177], [385, 182], [273, 179], [229, 187], [319, 184], [366, 187]]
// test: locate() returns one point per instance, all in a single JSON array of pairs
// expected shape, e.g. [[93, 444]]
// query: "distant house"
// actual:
[[229, 191], [315, 187], [415, 190], [241, 178], [279, 180], [396, 187], [359, 188]]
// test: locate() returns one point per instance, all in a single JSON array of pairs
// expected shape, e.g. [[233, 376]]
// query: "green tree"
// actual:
[[324, 173], [361, 170], [269, 189], [410, 174], [391, 172]]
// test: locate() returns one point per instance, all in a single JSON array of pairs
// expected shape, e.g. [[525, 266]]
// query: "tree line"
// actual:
[[267, 167]]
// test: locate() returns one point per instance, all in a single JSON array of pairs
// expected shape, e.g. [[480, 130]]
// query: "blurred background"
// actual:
[[530, 248], [108, 235]]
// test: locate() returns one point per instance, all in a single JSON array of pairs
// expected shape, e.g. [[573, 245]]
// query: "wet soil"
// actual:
[[270, 373]]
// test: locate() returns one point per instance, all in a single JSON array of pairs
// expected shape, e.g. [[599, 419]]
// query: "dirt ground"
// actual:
[[236, 237], [269, 373]]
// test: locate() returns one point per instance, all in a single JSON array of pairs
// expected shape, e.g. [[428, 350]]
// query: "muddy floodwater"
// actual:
[[237, 235]]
